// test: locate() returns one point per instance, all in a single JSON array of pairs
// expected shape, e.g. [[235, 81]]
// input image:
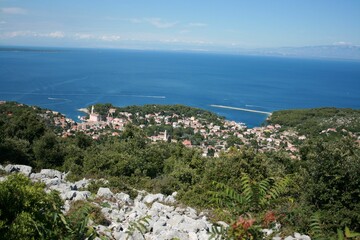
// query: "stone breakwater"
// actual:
[[167, 220]]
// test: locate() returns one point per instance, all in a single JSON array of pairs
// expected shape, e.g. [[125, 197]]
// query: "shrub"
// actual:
[[27, 212]]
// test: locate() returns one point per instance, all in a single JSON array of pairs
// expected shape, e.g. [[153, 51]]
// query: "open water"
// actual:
[[68, 79]]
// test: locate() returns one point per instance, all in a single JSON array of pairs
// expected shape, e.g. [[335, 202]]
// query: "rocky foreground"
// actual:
[[166, 218]]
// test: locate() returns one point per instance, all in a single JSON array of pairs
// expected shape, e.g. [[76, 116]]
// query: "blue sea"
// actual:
[[68, 79]]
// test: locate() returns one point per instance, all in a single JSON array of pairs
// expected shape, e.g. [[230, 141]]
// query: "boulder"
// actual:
[[82, 195], [193, 236], [203, 235], [267, 232], [104, 193], [289, 238], [52, 181], [159, 226], [191, 225], [305, 237], [123, 198], [140, 196], [175, 220], [26, 170], [170, 200], [297, 235], [156, 206], [140, 207], [70, 195], [35, 176], [51, 173], [172, 234], [81, 183], [150, 198], [119, 235], [276, 238], [190, 212]]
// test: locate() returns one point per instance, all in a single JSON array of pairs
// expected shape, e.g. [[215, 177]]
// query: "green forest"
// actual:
[[317, 193]]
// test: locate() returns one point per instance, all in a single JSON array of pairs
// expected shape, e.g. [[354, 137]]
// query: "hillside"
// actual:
[[314, 121], [263, 176]]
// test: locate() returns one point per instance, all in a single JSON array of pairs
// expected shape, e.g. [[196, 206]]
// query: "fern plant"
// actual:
[[141, 226], [318, 233], [254, 197], [80, 230]]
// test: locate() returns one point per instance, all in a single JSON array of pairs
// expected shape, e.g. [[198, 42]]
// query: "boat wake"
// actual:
[[81, 94], [59, 99]]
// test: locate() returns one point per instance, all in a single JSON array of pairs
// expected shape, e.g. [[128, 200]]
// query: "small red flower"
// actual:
[[269, 217], [244, 223]]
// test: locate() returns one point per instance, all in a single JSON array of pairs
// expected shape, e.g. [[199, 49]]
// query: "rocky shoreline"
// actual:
[[166, 219]]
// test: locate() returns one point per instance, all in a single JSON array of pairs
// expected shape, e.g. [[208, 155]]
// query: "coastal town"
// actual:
[[210, 138]]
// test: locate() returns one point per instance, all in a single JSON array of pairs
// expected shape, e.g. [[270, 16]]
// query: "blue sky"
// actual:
[[180, 24]]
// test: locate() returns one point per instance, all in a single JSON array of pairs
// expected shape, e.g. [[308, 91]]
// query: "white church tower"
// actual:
[[94, 117]]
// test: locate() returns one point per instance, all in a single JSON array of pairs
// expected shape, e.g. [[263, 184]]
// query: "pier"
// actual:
[[240, 109]]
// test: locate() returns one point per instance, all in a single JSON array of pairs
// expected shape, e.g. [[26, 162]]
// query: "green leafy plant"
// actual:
[[318, 233], [255, 197], [77, 223], [27, 212], [141, 226]]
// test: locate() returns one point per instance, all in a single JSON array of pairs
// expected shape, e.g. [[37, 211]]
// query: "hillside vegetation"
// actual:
[[313, 121], [322, 179]]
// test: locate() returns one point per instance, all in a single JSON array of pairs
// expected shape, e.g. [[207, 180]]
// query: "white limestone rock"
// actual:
[[305, 237], [26, 170], [190, 212], [175, 220], [159, 207], [192, 225], [140, 196], [51, 173], [203, 235], [267, 232], [70, 195], [192, 236], [104, 193], [170, 200], [159, 226], [276, 238], [82, 195], [84, 183], [35, 176], [123, 198], [119, 235], [52, 181], [150, 198], [173, 234], [224, 224]]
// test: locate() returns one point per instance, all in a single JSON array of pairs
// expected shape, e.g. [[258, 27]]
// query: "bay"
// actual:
[[68, 79]]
